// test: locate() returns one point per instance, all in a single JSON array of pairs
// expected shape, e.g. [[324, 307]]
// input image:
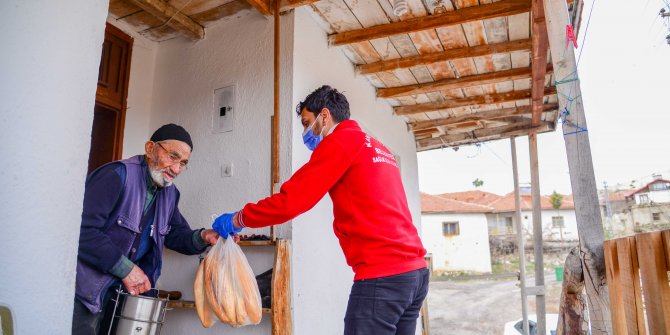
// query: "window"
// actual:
[[662, 186], [644, 198], [656, 216], [557, 222], [450, 228], [509, 225]]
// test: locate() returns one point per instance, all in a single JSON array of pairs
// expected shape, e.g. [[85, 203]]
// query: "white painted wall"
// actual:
[[321, 278], [548, 231], [654, 196], [140, 90], [49, 67], [469, 251], [239, 51]]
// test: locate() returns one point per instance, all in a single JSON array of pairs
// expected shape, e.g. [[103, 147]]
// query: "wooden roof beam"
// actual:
[[486, 99], [479, 116], [469, 14], [262, 6], [172, 17], [538, 60], [482, 135], [447, 55], [453, 83], [286, 5]]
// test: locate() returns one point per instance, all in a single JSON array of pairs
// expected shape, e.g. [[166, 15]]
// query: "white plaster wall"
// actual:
[[140, 90], [659, 196], [239, 51], [469, 251], [570, 232], [321, 278], [49, 68]]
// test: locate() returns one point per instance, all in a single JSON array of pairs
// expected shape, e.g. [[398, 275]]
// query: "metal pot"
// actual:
[[139, 315]]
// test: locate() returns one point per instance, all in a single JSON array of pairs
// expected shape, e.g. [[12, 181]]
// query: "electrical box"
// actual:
[[224, 108]]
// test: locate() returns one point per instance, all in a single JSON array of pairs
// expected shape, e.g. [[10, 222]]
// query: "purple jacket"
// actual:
[[111, 221]]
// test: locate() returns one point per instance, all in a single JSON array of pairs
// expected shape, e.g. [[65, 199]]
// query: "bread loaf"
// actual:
[[205, 313], [211, 271], [226, 287]]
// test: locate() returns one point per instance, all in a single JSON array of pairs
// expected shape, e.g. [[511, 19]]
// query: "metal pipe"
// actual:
[[519, 233]]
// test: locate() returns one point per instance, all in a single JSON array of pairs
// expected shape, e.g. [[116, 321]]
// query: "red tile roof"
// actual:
[[506, 203], [482, 202], [436, 204], [476, 196]]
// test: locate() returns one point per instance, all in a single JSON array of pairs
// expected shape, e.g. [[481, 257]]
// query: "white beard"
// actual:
[[159, 179]]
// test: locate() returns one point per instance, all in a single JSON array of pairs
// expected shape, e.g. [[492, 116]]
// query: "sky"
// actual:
[[624, 71]]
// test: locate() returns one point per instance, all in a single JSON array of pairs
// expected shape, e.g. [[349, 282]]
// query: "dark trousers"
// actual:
[[386, 306], [84, 322]]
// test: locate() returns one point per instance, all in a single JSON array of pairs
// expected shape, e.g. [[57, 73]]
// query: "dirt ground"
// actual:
[[482, 306]]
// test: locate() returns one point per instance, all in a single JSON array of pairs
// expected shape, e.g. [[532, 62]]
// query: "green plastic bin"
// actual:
[[559, 273]]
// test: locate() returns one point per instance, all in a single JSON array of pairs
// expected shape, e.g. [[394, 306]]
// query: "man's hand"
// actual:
[[210, 236], [136, 282]]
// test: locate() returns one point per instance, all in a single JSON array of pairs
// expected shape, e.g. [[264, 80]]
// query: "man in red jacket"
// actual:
[[371, 217]]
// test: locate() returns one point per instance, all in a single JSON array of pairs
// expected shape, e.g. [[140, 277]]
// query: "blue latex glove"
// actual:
[[224, 225]]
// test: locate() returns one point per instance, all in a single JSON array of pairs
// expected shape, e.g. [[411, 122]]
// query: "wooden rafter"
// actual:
[[286, 5], [482, 135], [453, 83], [469, 14], [262, 6], [480, 116], [486, 99], [451, 54], [539, 59], [172, 17]]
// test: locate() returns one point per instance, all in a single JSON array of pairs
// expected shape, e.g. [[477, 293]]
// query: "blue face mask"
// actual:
[[310, 139]]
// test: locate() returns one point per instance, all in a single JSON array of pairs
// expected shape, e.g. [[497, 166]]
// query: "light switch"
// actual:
[[227, 170], [224, 108]]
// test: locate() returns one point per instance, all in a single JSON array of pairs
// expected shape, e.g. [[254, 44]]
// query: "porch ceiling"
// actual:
[[457, 71]]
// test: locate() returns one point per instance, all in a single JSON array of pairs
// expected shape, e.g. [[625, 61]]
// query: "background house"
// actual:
[[455, 234], [460, 229], [649, 206]]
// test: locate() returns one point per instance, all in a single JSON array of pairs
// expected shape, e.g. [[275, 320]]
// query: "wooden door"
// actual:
[[110, 98]]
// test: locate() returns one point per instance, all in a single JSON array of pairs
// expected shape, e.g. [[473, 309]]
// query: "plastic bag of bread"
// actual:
[[225, 287]]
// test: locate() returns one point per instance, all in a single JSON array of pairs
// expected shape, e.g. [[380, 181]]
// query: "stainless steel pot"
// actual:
[[139, 315]]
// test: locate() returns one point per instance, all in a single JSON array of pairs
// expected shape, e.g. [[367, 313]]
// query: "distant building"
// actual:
[[649, 206], [455, 234], [457, 227]]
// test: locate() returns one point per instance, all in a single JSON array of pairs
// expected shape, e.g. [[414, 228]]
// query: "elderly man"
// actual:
[[371, 216], [131, 211]]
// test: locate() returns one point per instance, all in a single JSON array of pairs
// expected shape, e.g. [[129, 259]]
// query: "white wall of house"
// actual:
[[467, 251], [321, 278], [240, 52], [49, 67], [549, 232], [137, 129], [653, 196]]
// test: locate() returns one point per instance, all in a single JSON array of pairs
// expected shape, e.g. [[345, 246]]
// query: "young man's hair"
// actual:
[[326, 97]]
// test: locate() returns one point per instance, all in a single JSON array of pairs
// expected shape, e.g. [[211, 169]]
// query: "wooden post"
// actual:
[[281, 290], [537, 233], [274, 183], [519, 233], [589, 222], [572, 305]]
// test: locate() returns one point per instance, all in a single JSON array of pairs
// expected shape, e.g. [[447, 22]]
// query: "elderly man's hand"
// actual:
[[210, 236], [136, 282]]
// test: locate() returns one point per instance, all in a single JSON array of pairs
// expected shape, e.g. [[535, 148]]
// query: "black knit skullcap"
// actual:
[[172, 131]]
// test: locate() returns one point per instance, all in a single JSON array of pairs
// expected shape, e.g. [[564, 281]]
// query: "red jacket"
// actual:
[[372, 219]]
